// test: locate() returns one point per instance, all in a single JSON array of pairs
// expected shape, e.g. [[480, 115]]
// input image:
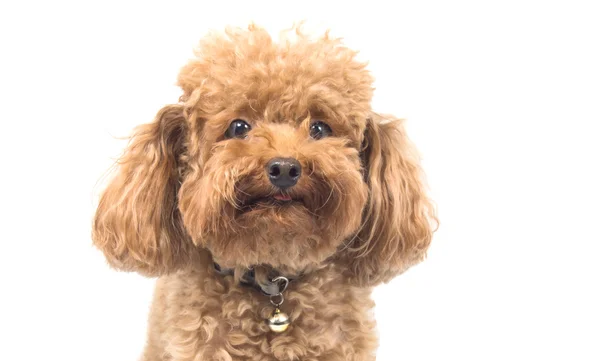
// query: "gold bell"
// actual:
[[279, 321]]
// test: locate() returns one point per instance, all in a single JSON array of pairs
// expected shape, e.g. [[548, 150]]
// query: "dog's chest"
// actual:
[[216, 320]]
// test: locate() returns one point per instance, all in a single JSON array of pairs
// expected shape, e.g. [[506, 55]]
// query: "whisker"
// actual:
[[326, 201]]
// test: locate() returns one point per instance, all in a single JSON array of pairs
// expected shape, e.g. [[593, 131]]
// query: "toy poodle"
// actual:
[[269, 201]]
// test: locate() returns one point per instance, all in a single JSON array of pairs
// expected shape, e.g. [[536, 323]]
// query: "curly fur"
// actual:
[[177, 203]]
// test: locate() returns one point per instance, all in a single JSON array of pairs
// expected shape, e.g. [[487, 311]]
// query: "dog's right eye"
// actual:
[[237, 129]]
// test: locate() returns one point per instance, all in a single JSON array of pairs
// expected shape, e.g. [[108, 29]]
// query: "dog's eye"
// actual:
[[319, 130], [237, 129]]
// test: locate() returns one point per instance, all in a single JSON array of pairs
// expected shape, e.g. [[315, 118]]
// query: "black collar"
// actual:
[[248, 279]]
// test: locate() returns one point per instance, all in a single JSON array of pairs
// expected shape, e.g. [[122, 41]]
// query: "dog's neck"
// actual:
[[261, 278], [272, 283]]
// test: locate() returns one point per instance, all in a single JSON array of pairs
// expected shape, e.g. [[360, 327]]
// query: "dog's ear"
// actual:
[[399, 218], [137, 223]]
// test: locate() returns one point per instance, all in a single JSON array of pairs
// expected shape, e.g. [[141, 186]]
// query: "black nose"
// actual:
[[284, 172]]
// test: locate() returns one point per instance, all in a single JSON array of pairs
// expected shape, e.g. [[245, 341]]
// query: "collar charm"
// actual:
[[279, 321]]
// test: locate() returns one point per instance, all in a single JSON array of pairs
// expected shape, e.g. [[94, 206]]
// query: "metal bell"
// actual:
[[279, 321]]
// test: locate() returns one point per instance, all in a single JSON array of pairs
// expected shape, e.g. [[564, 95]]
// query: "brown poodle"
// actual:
[[269, 201]]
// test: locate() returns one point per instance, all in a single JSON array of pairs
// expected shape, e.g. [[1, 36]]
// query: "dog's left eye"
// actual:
[[237, 129], [319, 130]]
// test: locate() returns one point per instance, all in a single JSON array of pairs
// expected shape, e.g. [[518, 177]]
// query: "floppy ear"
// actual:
[[137, 223], [398, 217]]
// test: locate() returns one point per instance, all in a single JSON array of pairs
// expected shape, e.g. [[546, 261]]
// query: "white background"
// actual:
[[502, 98]]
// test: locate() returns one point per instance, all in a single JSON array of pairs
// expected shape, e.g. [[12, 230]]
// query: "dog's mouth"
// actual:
[[276, 200]]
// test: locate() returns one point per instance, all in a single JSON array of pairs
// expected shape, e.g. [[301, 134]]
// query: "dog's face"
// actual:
[[285, 192], [273, 157]]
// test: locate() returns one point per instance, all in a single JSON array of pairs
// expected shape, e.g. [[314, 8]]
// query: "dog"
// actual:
[[269, 201]]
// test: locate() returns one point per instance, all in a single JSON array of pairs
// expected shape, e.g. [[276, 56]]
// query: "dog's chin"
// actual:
[[278, 231]]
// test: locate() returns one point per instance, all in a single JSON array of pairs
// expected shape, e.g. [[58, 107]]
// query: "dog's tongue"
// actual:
[[282, 197]]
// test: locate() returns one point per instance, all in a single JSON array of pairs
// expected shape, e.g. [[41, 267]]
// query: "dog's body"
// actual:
[[198, 315], [273, 161]]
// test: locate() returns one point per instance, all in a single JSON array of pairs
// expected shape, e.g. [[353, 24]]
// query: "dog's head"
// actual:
[[273, 156]]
